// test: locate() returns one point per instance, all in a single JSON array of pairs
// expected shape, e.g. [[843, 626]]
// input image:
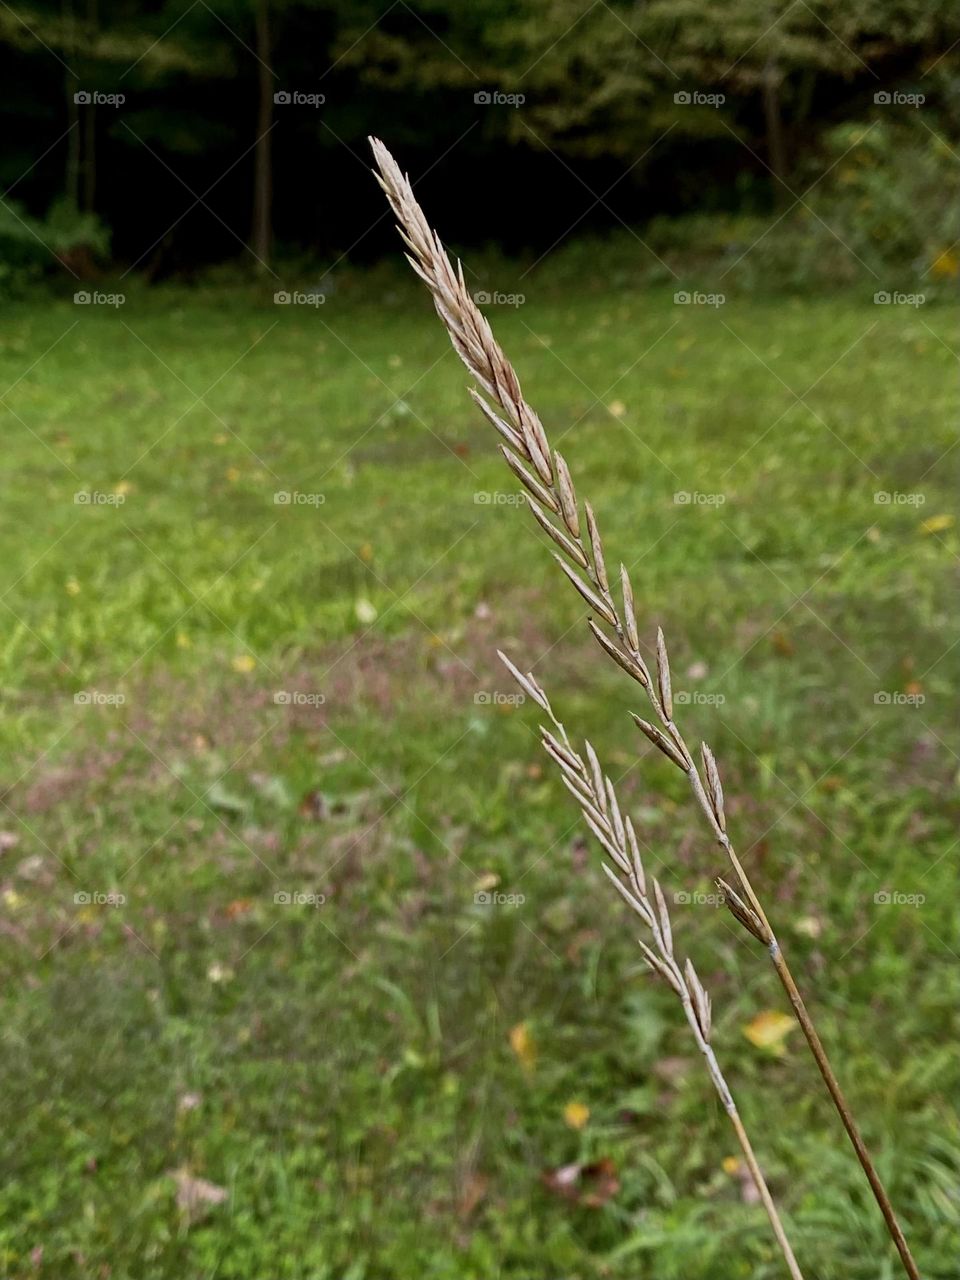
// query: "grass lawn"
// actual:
[[303, 698]]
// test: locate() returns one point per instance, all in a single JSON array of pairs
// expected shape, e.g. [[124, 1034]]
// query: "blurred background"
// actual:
[[308, 967]]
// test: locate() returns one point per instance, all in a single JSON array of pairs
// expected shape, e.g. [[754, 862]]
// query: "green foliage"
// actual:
[[31, 248]]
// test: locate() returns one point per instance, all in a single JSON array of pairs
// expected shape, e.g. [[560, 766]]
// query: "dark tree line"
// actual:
[[172, 135]]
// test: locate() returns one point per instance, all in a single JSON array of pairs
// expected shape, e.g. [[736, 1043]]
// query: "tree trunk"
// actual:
[[71, 86], [776, 149], [262, 230], [90, 124]]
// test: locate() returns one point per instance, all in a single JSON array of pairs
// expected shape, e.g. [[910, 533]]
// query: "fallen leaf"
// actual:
[[809, 926], [768, 1030], [196, 1195], [782, 644], [590, 1185], [239, 907], [313, 805], [672, 1070], [617, 408], [473, 1191], [576, 1114], [946, 265], [524, 1046], [936, 524], [243, 662]]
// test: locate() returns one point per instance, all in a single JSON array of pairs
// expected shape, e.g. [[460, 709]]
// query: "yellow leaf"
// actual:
[[233, 474], [523, 1045], [243, 662], [73, 587], [576, 1114], [768, 1030], [946, 266], [617, 408], [936, 524], [731, 1165]]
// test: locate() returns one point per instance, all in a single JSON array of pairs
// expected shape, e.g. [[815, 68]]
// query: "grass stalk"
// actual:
[[597, 797], [580, 554]]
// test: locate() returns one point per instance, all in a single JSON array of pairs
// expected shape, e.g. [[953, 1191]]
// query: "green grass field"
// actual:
[[303, 698]]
